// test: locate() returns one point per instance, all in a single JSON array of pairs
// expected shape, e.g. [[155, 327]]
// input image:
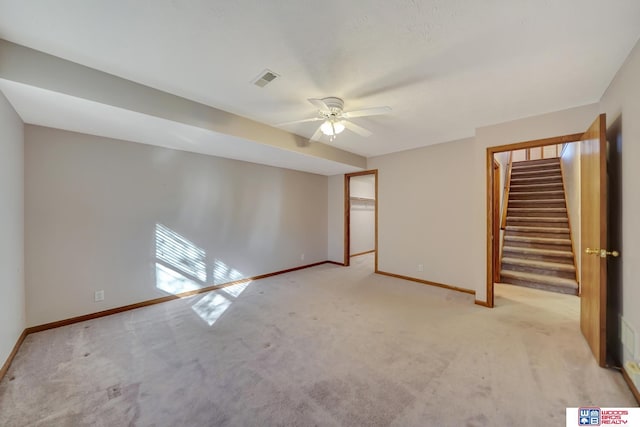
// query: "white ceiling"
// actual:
[[446, 67]]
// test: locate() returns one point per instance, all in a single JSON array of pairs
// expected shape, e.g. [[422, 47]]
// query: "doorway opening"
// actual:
[[534, 217], [361, 215], [496, 214], [596, 257]]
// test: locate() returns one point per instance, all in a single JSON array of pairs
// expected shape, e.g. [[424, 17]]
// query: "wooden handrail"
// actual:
[[505, 196]]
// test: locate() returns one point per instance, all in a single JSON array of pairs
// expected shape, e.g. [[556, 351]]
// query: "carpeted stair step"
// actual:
[[538, 171], [536, 180], [528, 231], [548, 283], [534, 174], [541, 186], [545, 268], [537, 250], [533, 221], [537, 264], [519, 167], [553, 243], [537, 212], [537, 203], [538, 195], [538, 161], [551, 255], [549, 161]]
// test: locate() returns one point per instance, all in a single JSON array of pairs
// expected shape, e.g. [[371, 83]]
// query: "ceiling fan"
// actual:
[[335, 119]]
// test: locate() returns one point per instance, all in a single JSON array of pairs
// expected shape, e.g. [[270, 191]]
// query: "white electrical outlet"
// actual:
[[420, 267], [99, 296], [302, 257]]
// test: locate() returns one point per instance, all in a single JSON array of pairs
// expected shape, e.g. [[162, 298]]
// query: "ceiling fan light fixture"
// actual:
[[335, 120], [331, 128]]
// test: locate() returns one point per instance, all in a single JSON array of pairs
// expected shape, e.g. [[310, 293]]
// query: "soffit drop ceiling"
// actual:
[[445, 67]]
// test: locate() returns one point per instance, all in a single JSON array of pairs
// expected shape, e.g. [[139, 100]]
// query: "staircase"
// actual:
[[537, 250]]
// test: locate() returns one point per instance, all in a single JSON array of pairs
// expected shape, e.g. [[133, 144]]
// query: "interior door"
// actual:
[[594, 251]]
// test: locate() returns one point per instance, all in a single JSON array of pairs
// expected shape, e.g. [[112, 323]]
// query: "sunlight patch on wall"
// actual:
[[180, 254], [172, 282], [222, 273], [181, 266]]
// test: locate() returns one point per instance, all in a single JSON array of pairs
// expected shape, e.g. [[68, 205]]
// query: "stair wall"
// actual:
[[570, 161]]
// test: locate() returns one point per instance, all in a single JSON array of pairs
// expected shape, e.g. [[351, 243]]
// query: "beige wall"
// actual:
[[571, 167], [424, 209], [12, 299], [92, 206], [621, 101]]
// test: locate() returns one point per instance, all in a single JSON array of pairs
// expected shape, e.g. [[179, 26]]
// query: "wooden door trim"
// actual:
[[347, 215], [497, 224], [537, 143], [489, 194]]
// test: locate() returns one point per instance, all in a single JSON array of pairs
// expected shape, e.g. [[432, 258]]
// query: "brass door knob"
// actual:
[[602, 252]]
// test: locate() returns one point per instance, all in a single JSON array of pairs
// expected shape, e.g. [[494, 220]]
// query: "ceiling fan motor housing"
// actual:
[[335, 105], [331, 112]]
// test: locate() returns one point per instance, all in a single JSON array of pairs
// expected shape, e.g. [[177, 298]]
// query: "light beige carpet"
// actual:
[[328, 346]]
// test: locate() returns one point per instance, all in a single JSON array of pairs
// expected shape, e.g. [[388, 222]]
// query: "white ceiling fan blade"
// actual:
[[316, 136], [356, 129], [313, 119], [375, 111], [319, 104]]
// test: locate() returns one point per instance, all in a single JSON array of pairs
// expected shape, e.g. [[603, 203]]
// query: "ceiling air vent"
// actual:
[[265, 77]]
